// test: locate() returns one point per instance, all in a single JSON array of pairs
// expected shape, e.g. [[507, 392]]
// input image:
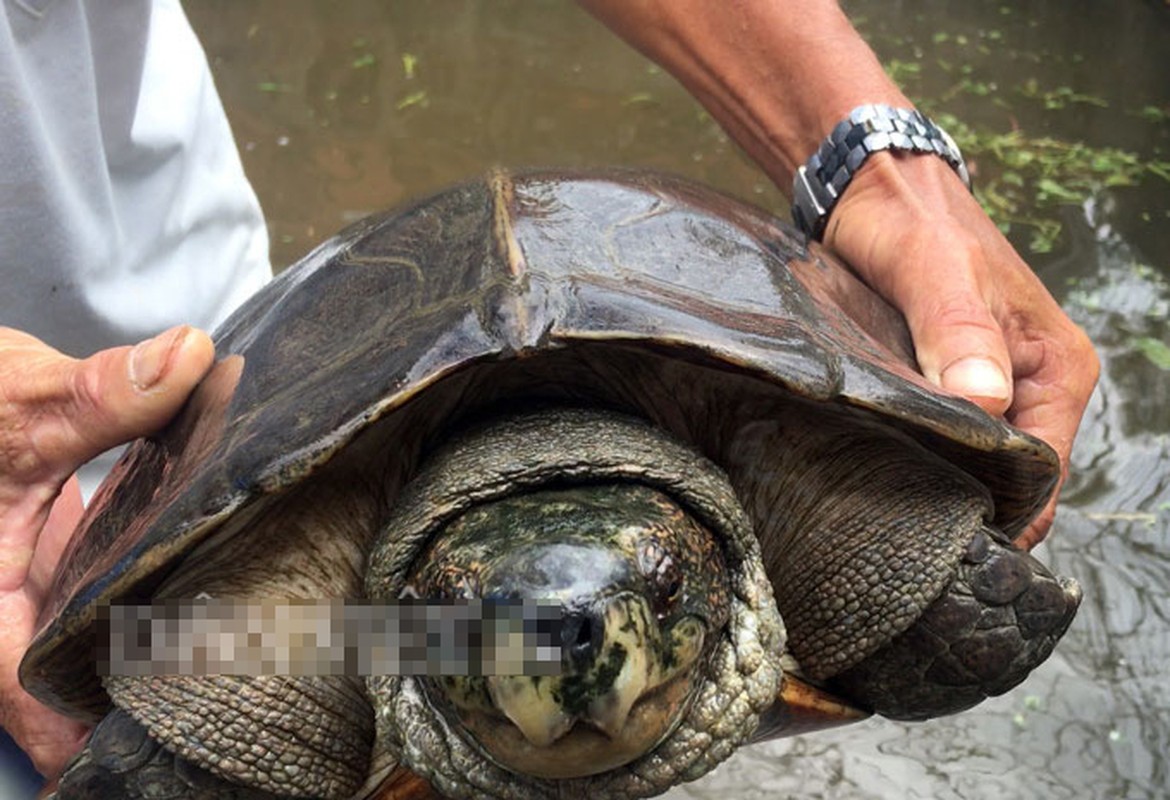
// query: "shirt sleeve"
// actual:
[[124, 208]]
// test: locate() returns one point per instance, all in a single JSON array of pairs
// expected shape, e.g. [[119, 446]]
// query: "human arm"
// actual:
[[778, 75], [56, 413]]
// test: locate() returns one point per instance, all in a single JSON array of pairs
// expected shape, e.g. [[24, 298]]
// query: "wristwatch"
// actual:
[[868, 129]]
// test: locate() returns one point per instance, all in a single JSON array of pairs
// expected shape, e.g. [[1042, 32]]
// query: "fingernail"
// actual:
[[149, 360], [976, 377]]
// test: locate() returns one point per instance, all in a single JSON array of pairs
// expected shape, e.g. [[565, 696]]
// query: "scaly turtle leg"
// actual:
[[121, 760]]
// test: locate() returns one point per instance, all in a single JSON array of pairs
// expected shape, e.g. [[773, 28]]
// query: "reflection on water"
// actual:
[[343, 108]]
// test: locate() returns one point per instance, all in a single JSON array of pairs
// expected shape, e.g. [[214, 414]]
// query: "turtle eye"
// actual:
[[668, 581], [670, 590], [663, 576]]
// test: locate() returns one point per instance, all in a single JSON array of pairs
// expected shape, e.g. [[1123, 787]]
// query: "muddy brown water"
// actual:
[[345, 108]]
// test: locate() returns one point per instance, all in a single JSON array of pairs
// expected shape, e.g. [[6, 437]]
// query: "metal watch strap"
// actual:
[[868, 129]]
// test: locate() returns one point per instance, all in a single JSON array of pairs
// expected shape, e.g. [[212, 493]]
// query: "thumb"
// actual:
[[124, 393], [961, 348], [63, 411], [906, 225]]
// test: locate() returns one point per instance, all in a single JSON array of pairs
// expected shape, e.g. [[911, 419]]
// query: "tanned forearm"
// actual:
[[776, 74]]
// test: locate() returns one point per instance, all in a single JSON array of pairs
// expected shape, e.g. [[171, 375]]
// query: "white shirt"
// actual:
[[123, 204]]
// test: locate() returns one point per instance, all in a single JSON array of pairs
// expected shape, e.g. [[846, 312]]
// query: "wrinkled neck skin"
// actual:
[[858, 512], [712, 707]]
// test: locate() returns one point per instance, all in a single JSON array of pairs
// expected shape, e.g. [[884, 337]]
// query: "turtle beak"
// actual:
[[607, 667], [630, 630], [622, 685], [531, 708], [608, 712]]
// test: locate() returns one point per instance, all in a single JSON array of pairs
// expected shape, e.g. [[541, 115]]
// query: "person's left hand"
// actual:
[[56, 413]]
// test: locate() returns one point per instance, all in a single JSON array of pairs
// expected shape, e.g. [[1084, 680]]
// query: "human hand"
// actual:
[[778, 77], [983, 324], [56, 413]]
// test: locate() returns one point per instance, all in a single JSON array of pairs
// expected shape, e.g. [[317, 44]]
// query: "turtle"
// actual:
[[655, 409]]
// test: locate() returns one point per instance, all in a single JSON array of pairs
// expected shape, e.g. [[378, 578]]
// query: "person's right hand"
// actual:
[[56, 413], [983, 324], [778, 77]]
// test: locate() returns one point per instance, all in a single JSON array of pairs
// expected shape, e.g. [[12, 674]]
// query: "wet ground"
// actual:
[[344, 108]]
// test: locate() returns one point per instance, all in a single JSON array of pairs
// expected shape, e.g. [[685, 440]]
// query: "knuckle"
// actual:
[[1072, 356], [88, 387], [22, 460], [963, 309], [88, 413], [55, 422]]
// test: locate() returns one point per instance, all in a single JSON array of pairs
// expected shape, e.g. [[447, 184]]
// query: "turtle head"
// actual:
[[643, 593], [671, 644]]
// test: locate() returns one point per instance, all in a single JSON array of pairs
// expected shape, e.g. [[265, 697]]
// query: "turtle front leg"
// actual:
[[121, 760], [897, 593], [999, 618], [218, 737]]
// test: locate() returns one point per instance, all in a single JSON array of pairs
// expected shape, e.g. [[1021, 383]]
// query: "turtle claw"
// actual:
[[802, 707]]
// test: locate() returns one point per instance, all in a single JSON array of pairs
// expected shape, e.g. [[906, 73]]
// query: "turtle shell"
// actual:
[[631, 290]]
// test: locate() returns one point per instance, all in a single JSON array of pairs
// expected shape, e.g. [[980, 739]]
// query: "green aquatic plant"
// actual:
[[409, 65], [1020, 176], [1023, 176], [419, 98], [1155, 350]]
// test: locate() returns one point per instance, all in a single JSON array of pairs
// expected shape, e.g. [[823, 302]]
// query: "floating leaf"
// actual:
[[1059, 97], [1049, 189], [638, 97], [364, 60], [418, 98], [1160, 168], [1158, 352], [409, 62], [1045, 235], [902, 71]]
